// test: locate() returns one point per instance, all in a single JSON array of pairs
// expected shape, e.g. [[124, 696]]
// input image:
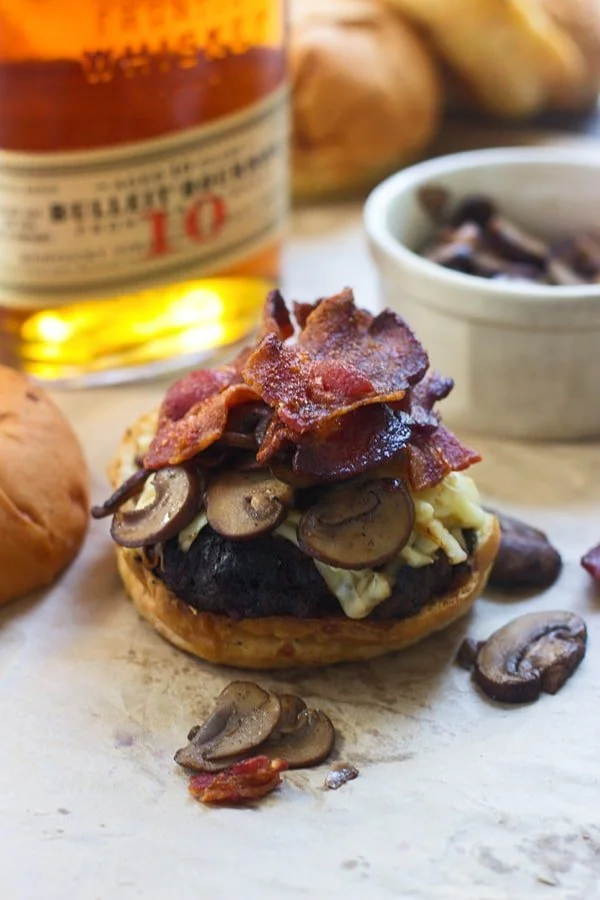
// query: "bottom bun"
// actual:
[[277, 642]]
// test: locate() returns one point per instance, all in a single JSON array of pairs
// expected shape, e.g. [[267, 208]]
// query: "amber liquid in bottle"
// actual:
[[143, 189]]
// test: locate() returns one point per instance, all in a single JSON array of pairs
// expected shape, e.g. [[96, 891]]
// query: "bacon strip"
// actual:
[[203, 424], [193, 389], [276, 316], [345, 358], [591, 562], [352, 394], [241, 782], [365, 438], [382, 347], [432, 457]]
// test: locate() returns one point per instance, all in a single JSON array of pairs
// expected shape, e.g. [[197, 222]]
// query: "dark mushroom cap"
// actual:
[[130, 488], [309, 743], [177, 499], [244, 716], [243, 504], [536, 652], [359, 524]]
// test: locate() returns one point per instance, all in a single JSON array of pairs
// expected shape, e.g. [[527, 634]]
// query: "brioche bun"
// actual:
[[511, 54], [366, 95], [284, 641], [44, 492], [580, 19]]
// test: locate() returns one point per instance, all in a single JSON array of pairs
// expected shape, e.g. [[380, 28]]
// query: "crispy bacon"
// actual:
[[591, 562], [193, 389], [203, 424], [352, 394], [241, 782], [361, 440], [381, 347], [276, 316], [302, 311], [345, 359], [433, 456]]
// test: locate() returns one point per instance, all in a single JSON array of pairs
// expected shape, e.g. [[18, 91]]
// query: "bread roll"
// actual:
[[510, 53], [581, 20], [44, 495], [366, 96]]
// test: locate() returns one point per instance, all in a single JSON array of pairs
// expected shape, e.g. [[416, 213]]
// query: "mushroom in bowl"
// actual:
[[524, 355]]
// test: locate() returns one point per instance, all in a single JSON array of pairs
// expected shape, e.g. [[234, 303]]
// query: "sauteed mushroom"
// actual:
[[177, 499], [536, 652], [307, 744], [358, 525], [247, 718], [130, 488], [515, 243], [244, 504], [525, 558], [244, 716]]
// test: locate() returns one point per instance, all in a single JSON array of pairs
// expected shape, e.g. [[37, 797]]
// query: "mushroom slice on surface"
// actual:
[[291, 707], [534, 653], [359, 524], [244, 504], [177, 499], [308, 744], [526, 557], [244, 716]]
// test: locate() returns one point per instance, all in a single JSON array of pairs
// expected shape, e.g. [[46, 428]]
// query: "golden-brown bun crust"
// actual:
[[44, 492], [511, 53], [284, 641], [581, 20], [365, 94]]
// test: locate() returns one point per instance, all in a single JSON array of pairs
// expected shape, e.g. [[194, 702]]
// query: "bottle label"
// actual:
[[100, 223]]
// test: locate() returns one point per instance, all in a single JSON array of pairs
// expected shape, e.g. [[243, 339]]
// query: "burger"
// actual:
[[303, 505]]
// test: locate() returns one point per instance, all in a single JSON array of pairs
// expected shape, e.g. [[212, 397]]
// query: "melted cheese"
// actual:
[[441, 514]]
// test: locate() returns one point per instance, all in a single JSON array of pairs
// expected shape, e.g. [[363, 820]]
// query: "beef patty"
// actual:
[[270, 576]]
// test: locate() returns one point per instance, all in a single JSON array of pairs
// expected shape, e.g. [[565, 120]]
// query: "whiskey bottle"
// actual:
[[143, 181]]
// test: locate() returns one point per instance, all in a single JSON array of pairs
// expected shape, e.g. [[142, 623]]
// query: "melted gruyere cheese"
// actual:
[[441, 514]]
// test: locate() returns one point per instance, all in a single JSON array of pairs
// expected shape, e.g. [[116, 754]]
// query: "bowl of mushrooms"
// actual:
[[493, 256]]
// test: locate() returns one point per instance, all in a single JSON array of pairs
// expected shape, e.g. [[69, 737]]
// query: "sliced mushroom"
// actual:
[[560, 272], [291, 707], [177, 499], [359, 524], [244, 716], [536, 652], [514, 243], [434, 199], [310, 742], [467, 653], [475, 208], [130, 488], [526, 557], [244, 504]]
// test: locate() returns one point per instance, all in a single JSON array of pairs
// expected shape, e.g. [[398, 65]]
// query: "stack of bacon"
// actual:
[[343, 393]]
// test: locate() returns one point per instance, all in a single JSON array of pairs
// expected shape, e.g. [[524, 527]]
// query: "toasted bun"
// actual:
[[365, 94], [44, 493], [284, 641]]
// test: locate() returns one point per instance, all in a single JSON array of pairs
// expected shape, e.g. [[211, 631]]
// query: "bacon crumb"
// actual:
[[241, 782]]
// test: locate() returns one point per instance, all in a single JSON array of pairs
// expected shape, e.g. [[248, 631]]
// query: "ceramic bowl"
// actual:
[[525, 358]]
